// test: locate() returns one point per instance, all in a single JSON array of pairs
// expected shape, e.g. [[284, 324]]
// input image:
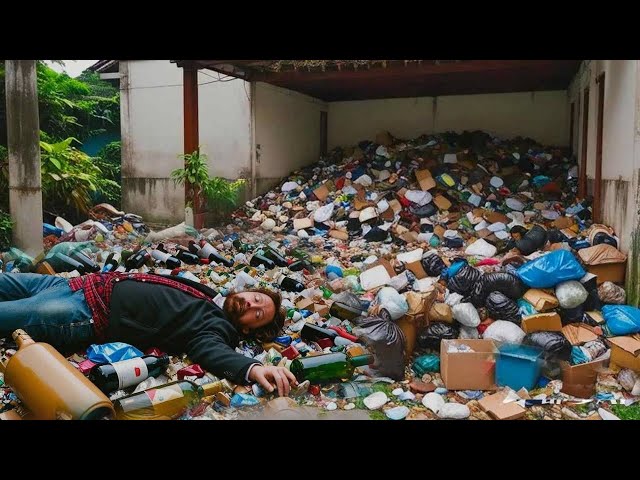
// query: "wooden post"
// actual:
[[192, 138]]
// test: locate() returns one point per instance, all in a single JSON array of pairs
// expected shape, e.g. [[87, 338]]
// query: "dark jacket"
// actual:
[[150, 315]]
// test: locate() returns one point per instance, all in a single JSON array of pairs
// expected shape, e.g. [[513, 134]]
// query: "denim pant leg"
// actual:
[[54, 315], [14, 286]]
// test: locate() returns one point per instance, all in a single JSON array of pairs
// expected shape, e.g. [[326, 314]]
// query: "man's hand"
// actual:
[[267, 376]]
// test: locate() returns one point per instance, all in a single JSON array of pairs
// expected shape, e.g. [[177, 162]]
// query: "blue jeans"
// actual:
[[45, 307]]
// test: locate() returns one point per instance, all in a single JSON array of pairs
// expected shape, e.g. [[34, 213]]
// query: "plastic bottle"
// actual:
[[110, 377]]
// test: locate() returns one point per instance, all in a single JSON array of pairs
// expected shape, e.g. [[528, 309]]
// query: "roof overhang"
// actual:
[[336, 80]]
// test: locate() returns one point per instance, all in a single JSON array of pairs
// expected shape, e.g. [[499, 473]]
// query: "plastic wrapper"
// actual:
[[464, 280], [630, 381], [502, 331], [611, 293], [501, 307], [431, 336], [587, 352], [551, 269], [112, 352], [507, 283], [392, 302], [466, 314], [621, 319], [386, 341], [552, 343], [426, 364], [571, 294]]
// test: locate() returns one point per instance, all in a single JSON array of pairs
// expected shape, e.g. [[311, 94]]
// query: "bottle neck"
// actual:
[[361, 360], [22, 338]]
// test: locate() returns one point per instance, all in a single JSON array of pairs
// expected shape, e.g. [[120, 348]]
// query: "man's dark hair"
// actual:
[[270, 330]]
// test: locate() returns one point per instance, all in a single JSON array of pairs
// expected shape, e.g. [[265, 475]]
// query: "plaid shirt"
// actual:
[[98, 287]]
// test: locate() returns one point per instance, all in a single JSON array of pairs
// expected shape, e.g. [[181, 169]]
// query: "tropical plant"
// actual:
[[108, 160], [196, 175], [6, 225], [68, 176]]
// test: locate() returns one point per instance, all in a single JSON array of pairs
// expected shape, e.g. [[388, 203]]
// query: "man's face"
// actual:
[[249, 310]]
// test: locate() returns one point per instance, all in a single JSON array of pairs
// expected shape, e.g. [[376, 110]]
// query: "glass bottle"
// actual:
[[329, 367], [110, 377]]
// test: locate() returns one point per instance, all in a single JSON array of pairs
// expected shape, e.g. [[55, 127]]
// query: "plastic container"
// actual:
[[518, 366]]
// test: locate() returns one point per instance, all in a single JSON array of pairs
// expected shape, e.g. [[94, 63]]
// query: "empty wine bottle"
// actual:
[[257, 260], [311, 332], [240, 246], [210, 252], [112, 262], [288, 284], [63, 263], [170, 400], [137, 260], [186, 256], [110, 377], [299, 265], [275, 257], [169, 260], [89, 264], [327, 368]]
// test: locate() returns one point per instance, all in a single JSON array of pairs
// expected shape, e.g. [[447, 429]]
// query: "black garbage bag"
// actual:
[[431, 336], [464, 280], [433, 265], [504, 282], [376, 234], [572, 315], [553, 343], [532, 241], [501, 307], [602, 237], [423, 211], [455, 242], [347, 306], [386, 341], [556, 236], [593, 301]]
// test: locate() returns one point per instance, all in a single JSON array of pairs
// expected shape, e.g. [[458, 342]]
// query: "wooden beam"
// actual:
[[192, 137]]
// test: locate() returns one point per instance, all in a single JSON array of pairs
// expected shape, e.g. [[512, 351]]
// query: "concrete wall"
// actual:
[[620, 157], [152, 134], [542, 116], [287, 132]]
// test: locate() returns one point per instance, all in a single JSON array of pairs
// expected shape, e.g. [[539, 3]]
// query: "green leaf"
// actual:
[[56, 162], [55, 176]]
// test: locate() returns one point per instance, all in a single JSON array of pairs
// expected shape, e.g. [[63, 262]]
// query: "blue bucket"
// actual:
[[518, 366]]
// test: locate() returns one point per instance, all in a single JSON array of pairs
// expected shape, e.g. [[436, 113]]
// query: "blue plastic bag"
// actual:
[[621, 319], [551, 269], [525, 308], [112, 352], [426, 363]]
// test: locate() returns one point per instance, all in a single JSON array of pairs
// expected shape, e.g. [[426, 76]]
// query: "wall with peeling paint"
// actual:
[[287, 132], [620, 160], [152, 134], [542, 116]]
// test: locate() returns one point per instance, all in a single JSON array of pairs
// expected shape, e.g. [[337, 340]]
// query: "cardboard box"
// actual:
[[609, 272], [322, 192], [304, 304], [496, 408], [468, 370], [542, 322], [301, 223], [578, 334], [541, 300], [625, 351], [416, 269], [320, 309], [441, 202], [425, 179], [580, 380]]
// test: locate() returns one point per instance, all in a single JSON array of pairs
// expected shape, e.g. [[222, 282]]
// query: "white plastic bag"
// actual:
[[452, 298], [466, 314], [503, 331], [571, 294], [394, 303], [469, 333], [324, 213], [481, 248]]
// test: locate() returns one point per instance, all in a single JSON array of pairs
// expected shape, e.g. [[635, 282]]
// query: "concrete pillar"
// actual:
[[23, 141]]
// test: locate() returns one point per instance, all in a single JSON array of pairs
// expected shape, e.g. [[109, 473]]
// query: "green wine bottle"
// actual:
[[327, 368]]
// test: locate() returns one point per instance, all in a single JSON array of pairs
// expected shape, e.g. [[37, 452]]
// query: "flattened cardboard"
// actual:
[[542, 322], [425, 179], [625, 351], [541, 300], [609, 272], [410, 237], [395, 206], [322, 192], [441, 202], [339, 234], [320, 309], [386, 264], [562, 222], [496, 408], [301, 223], [495, 217], [469, 370], [304, 304], [417, 270], [579, 333]]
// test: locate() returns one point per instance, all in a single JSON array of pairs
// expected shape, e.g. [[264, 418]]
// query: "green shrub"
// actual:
[[6, 225]]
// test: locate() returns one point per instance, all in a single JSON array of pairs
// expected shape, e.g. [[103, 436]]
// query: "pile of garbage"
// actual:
[[463, 266]]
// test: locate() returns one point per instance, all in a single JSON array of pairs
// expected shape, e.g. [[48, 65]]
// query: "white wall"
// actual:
[[620, 155], [542, 116], [152, 134], [287, 131]]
